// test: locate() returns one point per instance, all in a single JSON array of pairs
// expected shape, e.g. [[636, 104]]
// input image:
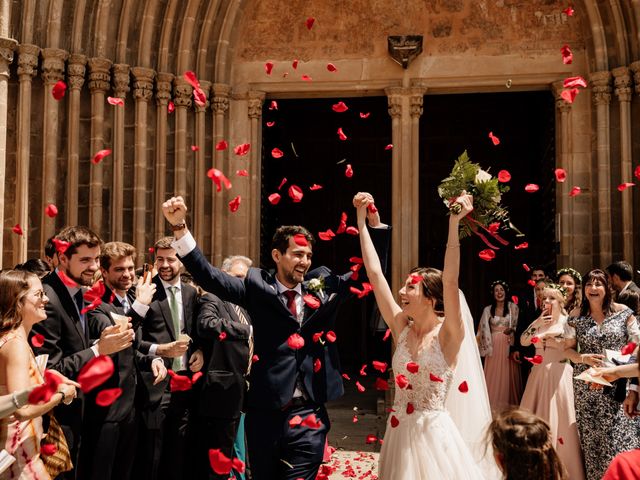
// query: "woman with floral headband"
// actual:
[[601, 325], [571, 281], [549, 391], [495, 335]]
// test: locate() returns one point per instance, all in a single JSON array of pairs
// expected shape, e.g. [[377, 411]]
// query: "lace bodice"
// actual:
[[423, 392]]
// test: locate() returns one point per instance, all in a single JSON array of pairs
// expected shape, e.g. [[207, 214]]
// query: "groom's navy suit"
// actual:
[[276, 450]]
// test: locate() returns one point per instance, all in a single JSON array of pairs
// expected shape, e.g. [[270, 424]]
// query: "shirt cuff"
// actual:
[[631, 386], [140, 308], [153, 348], [183, 246], [94, 349]]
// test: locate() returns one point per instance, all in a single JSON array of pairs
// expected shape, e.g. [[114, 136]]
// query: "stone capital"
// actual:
[[7, 47], [76, 69], [255, 102], [635, 68], [416, 100], [99, 74], [27, 61], [143, 83], [53, 64], [121, 79], [394, 100], [182, 92], [220, 100], [561, 104], [601, 87], [622, 82], [163, 88]]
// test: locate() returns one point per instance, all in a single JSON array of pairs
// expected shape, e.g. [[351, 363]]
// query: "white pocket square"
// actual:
[[331, 297]]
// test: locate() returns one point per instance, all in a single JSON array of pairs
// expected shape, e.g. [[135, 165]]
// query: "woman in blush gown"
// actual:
[[495, 336], [421, 440], [549, 392]]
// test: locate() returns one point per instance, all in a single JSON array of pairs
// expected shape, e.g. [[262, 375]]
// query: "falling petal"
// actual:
[[301, 240], [567, 55], [504, 176], [487, 255], [535, 360], [317, 365], [273, 105], [58, 90], [270, 124], [108, 396], [521, 246], [494, 139], [575, 191], [48, 449], [195, 148], [315, 187], [219, 178], [97, 158], [341, 134], [331, 336], [339, 107], [277, 153], [389, 147], [306, 78], [309, 22], [294, 64], [569, 11], [628, 349], [572, 82], [561, 174], [569, 95], [526, 267], [221, 145], [531, 188], [171, 107], [235, 204], [327, 235], [331, 67], [435, 378], [412, 367], [463, 387], [37, 340], [359, 386], [51, 210], [636, 172], [394, 421], [623, 186], [295, 192], [242, 149], [95, 372], [274, 198], [191, 79], [268, 67], [348, 172], [295, 342], [364, 115], [115, 101], [242, 173]]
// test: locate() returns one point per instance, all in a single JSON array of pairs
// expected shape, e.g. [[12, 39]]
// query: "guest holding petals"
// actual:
[[549, 391], [22, 303], [571, 281], [602, 324], [495, 336]]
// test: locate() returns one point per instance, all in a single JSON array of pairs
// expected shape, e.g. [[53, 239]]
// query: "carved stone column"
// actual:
[[622, 81], [201, 167], [76, 69], [601, 87], [143, 93], [163, 96], [182, 92], [99, 83], [564, 204], [120, 88], [416, 101], [220, 103], [255, 102], [7, 47], [53, 60]]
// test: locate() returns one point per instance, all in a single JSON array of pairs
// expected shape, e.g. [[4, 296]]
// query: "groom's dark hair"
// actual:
[[284, 233]]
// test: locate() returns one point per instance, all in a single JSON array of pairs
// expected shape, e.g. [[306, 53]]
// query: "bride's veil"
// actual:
[[471, 411]]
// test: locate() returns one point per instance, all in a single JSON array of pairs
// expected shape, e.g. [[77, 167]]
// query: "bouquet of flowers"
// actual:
[[488, 214]]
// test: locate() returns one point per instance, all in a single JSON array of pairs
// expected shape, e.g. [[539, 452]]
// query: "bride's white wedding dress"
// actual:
[[422, 441]]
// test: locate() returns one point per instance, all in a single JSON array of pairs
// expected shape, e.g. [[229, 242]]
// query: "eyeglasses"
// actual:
[[40, 294]]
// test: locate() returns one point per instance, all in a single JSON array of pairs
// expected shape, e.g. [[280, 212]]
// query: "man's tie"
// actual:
[[244, 321], [177, 363], [79, 299], [291, 302], [125, 305]]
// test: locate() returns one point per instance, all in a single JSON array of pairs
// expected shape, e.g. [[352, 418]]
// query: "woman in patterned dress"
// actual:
[[602, 324], [495, 336], [22, 303]]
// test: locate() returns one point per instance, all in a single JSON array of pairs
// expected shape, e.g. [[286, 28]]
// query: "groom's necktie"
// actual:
[[291, 302]]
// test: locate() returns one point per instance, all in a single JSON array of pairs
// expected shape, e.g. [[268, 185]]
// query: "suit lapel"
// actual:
[[163, 302], [67, 303]]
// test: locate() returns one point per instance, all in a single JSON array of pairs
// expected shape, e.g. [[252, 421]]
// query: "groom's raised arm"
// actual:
[[210, 278]]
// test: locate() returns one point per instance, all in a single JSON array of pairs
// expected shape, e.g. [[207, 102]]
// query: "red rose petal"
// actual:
[[387, 334], [238, 465], [51, 210], [282, 182], [295, 421], [487, 255], [494, 227], [311, 301], [573, 82], [412, 367], [521, 246], [95, 372], [270, 124], [569, 95], [306, 78], [341, 134], [569, 13], [372, 208], [526, 267], [242, 173], [235, 204], [326, 236], [37, 340], [300, 239], [371, 439], [567, 55], [393, 421], [274, 198], [48, 449], [363, 370], [348, 171], [331, 67], [389, 147], [463, 387], [346, 377], [273, 105], [66, 280], [380, 366], [317, 336], [628, 349], [309, 22], [494, 139], [108, 396], [242, 149], [255, 358], [351, 231], [171, 107], [365, 115], [312, 421], [514, 299], [277, 153], [191, 78], [415, 278], [119, 102], [294, 64], [295, 192], [359, 386], [295, 342], [535, 360], [435, 378], [381, 385], [59, 89], [561, 174], [221, 145], [560, 440], [222, 337], [504, 176], [532, 283], [199, 97], [575, 191], [17, 229], [623, 186], [42, 393], [535, 339], [331, 336], [410, 408], [531, 188], [97, 158], [339, 107], [219, 462], [317, 365], [268, 67], [402, 381], [195, 148], [219, 178], [636, 172], [315, 187]]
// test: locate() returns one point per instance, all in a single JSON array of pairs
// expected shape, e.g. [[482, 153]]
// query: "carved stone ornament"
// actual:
[[163, 88], [143, 83], [99, 74], [622, 82], [417, 100], [394, 100], [635, 68], [404, 48], [601, 87], [76, 69], [256, 100], [27, 61], [7, 47], [121, 79], [221, 94], [53, 65], [182, 92]]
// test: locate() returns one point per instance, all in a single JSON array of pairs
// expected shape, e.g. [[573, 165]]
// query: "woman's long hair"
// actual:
[[523, 443], [431, 286], [575, 301], [494, 303], [14, 286], [607, 307]]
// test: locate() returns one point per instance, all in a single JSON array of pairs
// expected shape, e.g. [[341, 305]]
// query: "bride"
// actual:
[[422, 440]]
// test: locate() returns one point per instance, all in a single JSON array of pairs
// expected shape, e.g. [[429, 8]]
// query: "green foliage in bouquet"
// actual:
[[486, 190]]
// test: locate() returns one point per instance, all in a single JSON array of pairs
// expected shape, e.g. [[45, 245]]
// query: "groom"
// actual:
[[293, 375]]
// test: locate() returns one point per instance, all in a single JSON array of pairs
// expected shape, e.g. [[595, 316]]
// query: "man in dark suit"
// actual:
[[294, 375], [109, 432], [226, 331], [168, 331], [66, 334], [621, 279]]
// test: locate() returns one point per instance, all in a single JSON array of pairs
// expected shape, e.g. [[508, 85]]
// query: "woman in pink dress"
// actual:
[[495, 336], [549, 392], [22, 303]]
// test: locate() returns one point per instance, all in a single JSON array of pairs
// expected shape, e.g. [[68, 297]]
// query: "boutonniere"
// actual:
[[316, 285]]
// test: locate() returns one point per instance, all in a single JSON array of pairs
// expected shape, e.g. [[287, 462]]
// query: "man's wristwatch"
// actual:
[[179, 226]]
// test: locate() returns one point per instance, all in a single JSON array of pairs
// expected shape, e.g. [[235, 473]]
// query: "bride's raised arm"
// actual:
[[389, 309], [452, 330]]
